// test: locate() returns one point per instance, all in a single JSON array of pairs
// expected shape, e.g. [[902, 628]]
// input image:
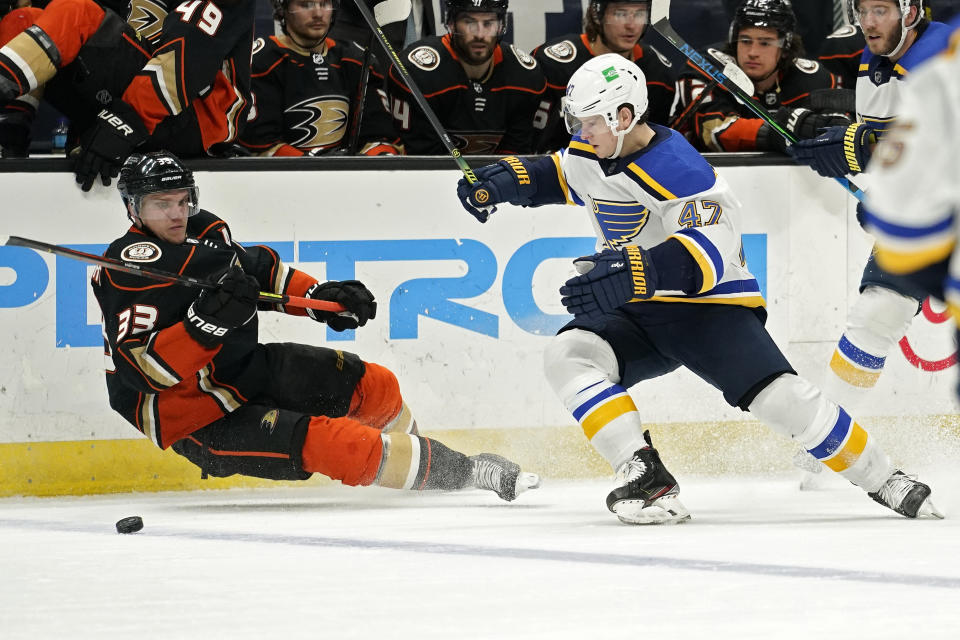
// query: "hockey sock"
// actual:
[[583, 371], [793, 407], [414, 462]]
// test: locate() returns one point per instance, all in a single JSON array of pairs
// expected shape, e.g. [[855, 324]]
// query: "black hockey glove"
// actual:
[[609, 280], [114, 135], [355, 298], [217, 312], [506, 181], [836, 151], [799, 122]]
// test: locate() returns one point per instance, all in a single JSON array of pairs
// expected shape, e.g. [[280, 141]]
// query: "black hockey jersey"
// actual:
[[307, 101], [561, 57], [159, 378], [840, 54], [500, 114], [718, 122], [202, 59]]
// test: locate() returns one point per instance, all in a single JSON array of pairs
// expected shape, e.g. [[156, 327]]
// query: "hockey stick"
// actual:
[[164, 276], [732, 78], [414, 90], [386, 12]]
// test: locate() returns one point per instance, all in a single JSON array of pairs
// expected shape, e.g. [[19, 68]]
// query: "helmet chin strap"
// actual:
[[904, 30], [620, 136]]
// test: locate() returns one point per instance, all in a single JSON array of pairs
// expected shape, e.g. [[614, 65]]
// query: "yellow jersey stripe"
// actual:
[[653, 184]]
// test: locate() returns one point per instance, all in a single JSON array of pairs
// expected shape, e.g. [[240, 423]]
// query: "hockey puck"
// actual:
[[129, 525]]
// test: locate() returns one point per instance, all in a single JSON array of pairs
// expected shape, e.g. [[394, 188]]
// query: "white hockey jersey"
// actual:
[[667, 190], [880, 81], [912, 207]]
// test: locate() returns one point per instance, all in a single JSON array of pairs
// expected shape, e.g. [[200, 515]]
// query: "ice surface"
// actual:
[[760, 559]]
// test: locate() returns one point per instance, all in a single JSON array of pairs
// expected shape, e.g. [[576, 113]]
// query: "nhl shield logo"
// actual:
[[317, 57], [141, 252], [770, 99]]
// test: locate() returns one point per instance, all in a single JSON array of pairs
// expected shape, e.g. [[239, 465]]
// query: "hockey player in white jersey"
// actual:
[[667, 288], [898, 38], [913, 205]]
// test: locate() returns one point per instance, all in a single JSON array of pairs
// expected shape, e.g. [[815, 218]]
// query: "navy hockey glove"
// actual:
[[610, 279], [836, 151], [506, 181], [355, 298], [217, 312], [114, 135]]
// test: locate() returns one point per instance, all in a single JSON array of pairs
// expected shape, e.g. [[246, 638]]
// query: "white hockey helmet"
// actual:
[[904, 6], [599, 88]]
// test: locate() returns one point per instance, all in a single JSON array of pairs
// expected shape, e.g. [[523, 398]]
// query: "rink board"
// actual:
[[465, 311]]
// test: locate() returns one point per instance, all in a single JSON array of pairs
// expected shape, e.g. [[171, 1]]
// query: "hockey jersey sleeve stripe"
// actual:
[[651, 186], [906, 249], [561, 179], [582, 149], [705, 254], [227, 397]]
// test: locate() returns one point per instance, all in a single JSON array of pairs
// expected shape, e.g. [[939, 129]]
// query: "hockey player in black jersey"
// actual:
[[306, 89], [486, 95], [609, 27], [841, 50], [187, 370], [801, 94], [185, 88]]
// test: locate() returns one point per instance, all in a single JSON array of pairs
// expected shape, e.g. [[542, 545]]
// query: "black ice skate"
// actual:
[[647, 494], [907, 496], [496, 473]]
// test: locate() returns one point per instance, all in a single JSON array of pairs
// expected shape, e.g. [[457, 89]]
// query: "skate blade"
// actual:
[[928, 510], [525, 482], [665, 510]]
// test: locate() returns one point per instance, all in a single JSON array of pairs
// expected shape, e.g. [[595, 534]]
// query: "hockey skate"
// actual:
[[907, 496], [647, 493], [498, 474]]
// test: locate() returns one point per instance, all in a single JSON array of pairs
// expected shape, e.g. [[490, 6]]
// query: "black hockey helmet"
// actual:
[[767, 14], [280, 11], [156, 172], [453, 8], [593, 17]]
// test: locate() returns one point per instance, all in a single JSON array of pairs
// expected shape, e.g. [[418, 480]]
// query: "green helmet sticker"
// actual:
[[610, 73]]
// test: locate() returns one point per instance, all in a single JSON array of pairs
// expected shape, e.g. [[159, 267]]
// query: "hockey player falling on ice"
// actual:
[[189, 373], [667, 289]]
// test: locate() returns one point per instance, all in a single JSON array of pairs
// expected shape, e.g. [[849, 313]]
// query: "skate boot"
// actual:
[[498, 474], [647, 493], [907, 496]]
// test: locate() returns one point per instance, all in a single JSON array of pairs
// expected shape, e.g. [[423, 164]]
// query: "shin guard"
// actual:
[[414, 462], [793, 407], [877, 321], [583, 371]]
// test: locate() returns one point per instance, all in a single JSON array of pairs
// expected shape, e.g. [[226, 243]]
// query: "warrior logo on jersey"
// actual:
[[425, 58], [525, 59], [325, 122], [141, 252], [620, 222], [146, 18], [561, 52]]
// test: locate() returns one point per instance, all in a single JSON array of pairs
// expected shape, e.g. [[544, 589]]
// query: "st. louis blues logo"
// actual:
[[620, 222]]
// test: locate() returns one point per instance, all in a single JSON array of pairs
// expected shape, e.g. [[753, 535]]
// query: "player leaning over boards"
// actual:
[[189, 373], [899, 38], [668, 288]]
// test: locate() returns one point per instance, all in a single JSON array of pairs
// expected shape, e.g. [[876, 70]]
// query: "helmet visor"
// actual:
[[172, 203]]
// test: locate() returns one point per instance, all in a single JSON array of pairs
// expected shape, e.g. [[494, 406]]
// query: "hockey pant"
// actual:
[[375, 442]]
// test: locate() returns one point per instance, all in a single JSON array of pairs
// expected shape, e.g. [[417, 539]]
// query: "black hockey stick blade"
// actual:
[[163, 276], [732, 78]]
